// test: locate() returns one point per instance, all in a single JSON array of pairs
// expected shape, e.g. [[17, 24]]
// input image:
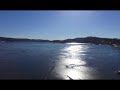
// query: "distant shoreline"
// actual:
[[93, 40]]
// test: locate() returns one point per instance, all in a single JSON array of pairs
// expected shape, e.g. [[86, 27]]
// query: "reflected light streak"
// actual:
[[71, 64], [73, 43]]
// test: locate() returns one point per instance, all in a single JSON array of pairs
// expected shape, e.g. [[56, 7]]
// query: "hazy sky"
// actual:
[[59, 24]]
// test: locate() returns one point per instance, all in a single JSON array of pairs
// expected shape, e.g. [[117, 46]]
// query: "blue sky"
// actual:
[[58, 24]]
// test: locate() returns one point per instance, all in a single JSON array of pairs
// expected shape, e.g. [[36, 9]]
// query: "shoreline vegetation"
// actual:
[[93, 40]]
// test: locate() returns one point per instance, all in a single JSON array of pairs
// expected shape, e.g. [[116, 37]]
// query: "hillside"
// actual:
[[93, 40]]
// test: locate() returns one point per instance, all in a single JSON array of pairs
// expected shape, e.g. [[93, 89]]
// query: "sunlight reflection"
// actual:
[[72, 65], [73, 74], [73, 43]]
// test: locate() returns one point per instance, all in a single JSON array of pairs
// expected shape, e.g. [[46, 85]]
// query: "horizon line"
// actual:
[[58, 39]]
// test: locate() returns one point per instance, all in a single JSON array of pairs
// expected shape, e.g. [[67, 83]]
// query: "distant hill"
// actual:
[[93, 40], [21, 40]]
